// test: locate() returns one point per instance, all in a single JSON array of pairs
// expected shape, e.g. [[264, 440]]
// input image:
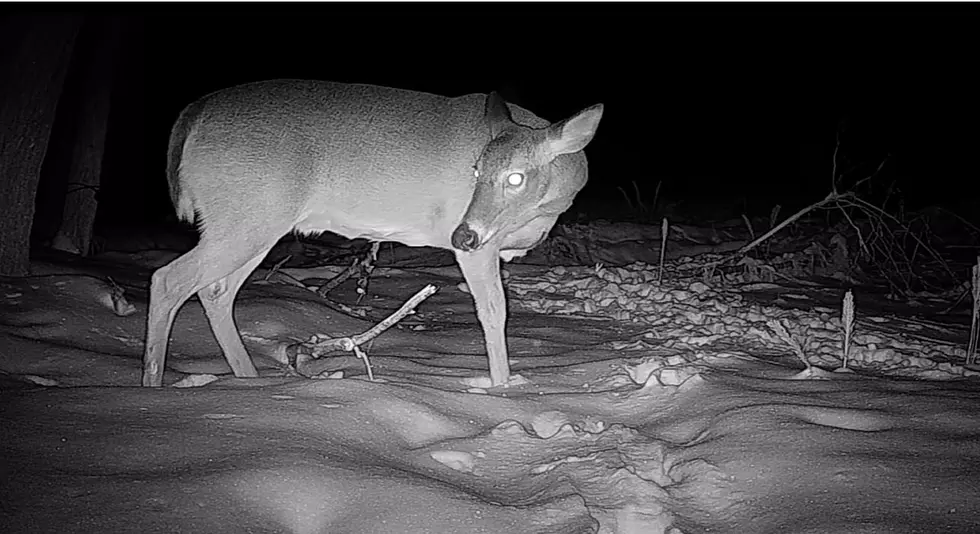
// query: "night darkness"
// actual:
[[734, 108]]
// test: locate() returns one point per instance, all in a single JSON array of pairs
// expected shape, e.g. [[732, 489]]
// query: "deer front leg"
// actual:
[[481, 270]]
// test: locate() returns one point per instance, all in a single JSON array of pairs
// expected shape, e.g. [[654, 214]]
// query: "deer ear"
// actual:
[[497, 115], [571, 135]]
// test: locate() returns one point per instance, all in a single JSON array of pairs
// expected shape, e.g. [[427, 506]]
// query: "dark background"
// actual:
[[733, 107]]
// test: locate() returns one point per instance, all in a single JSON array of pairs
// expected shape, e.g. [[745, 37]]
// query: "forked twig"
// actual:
[[319, 344]]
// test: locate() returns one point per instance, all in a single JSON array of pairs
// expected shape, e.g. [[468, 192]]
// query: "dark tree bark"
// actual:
[[38, 50], [92, 119]]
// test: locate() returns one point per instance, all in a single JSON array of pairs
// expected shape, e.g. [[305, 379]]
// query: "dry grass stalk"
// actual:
[[796, 343], [748, 224], [664, 227], [640, 208], [847, 319], [971, 350], [656, 194], [774, 215]]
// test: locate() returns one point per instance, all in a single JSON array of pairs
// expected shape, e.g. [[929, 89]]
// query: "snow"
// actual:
[[642, 407]]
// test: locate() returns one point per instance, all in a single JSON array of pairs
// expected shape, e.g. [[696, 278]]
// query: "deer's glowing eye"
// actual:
[[515, 179], [476, 173]]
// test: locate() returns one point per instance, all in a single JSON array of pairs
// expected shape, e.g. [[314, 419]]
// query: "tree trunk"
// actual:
[[92, 119], [38, 50]]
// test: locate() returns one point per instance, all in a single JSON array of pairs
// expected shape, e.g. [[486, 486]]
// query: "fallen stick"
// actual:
[[320, 344]]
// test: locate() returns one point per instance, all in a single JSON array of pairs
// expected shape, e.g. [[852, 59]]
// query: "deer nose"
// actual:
[[464, 238]]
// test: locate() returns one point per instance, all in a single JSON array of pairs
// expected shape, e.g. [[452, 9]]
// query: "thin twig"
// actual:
[[625, 196], [331, 284], [318, 345], [275, 268], [399, 314]]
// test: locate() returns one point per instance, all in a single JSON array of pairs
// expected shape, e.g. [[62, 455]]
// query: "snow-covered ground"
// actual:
[[647, 402]]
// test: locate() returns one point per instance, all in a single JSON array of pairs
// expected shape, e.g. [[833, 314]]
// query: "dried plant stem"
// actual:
[[319, 344], [656, 194], [748, 224], [639, 200], [627, 197], [796, 343], [275, 268], [399, 314], [773, 215], [847, 319], [367, 265], [664, 227], [331, 284], [971, 350]]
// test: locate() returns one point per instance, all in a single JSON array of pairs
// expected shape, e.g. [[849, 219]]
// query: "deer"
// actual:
[[249, 164]]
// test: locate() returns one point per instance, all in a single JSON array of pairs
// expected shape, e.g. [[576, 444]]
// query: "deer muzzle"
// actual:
[[465, 238]]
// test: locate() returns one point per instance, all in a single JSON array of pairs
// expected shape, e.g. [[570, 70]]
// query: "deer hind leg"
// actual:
[[481, 269], [218, 300], [211, 264]]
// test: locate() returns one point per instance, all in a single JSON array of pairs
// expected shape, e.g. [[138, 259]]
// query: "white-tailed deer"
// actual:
[[251, 163]]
